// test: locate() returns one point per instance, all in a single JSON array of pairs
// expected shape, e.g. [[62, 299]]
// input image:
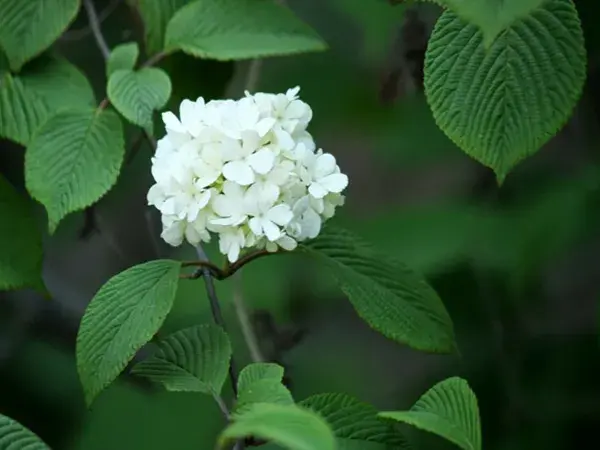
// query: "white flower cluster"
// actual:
[[246, 170]]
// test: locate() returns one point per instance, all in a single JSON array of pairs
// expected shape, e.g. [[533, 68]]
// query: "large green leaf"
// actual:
[[195, 359], [259, 371], [124, 315], [392, 299], [14, 436], [136, 94], [290, 426], [29, 27], [122, 57], [73, 160], [21, 111], [20, 241], [239, 29], [156, 14], [261, 383], [59, 83], [490, 16], [355, 423], [502, 104], [449, 409], [46, 85]]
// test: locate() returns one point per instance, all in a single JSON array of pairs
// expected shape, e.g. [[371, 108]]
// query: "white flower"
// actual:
[[231, 242], [325, 176], [231, 205], [267, 217], [245, 170]]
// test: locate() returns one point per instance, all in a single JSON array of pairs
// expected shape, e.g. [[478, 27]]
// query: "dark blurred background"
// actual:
[[517, 267]]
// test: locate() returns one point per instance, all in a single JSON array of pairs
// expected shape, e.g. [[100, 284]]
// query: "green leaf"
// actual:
[[195, 359], [502, 104], [355, 423], [20, 241], [14, 436], [449, 409], [239, 29], [73, 160], [122, 57], [124, 315], [263, 391], [261, 383], [392, 299], [136, 94], [490, 16], [259, 371], [21, 112], [156, 14], [59, 83], [27, 28], [290, 426]]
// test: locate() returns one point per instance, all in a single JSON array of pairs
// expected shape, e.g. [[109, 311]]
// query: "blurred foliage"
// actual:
[[515, 266]]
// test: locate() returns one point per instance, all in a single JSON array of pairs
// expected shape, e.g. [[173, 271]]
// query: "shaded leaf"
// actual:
[[27, 28], [290, 426], [73, 160], [449, 409], [59, 83], [20, 241], [21, 112], [503, 103], [124, 315], [355, 423], [490, 16], [156, 14], [195, 359], [239, 29], [14, 436], [261, 383], [259, 371], [136, 94], [392, 299], [122, 57]]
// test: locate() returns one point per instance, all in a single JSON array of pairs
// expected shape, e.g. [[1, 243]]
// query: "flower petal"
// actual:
[[255, 225], [335, 183], [264, 126], [272, 231], [280, 214], [324, 165], [234, 252], [202, 199], [292, 93], [262, 161], [173, 233], [287, 243], [238, 171], [317, 191], [156, 195], [284, 139], [172, 122], [310, 224], [247, 113]]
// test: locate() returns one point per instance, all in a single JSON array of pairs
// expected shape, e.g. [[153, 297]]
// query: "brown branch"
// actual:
[[225, 272]]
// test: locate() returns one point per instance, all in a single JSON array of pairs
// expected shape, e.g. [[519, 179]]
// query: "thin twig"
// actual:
[[222, 406], [253, 75], [215, 308], [155, 59], [95, 26], [152, 233], [229, 270], [75, 35], [135, 148], [244, 319]]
